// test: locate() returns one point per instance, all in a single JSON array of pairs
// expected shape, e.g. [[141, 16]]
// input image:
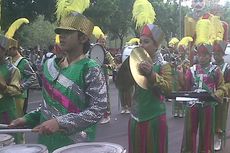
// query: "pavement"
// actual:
[[116, 131]]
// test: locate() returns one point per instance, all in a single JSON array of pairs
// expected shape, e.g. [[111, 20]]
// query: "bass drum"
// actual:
[[94, 147], [24, 148], [127, 51], [97, 53]]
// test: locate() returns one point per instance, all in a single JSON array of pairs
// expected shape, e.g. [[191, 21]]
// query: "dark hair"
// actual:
[[86, 45]]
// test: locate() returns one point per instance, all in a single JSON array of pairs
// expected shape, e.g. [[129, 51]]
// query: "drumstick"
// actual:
[[17, 131]]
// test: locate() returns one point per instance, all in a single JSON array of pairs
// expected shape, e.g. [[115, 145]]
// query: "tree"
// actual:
[[40, 32], [14, 9], [113, 16]]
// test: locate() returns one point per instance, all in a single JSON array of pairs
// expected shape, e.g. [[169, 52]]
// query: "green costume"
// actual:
[[76, 96]]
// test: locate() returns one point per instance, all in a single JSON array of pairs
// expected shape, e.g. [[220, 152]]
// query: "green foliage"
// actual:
[[40, 32]]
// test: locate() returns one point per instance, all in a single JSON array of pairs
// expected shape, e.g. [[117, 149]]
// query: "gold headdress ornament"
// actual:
[[133, 41], [7, 41], [97, 32], [143, 13], [174, 41], [70, 17]]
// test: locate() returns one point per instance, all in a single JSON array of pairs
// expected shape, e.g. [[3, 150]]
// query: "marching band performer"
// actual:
[[27, 73], [203, 77], [109, 64], [222, 108], [181, 60], [147, 126], [9, 82], [148, 131], [74, 87]]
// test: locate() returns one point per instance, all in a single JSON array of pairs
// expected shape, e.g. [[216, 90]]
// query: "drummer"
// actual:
[[221, 109], [207, 77], [109, 64], [74, 90], [147, 126]]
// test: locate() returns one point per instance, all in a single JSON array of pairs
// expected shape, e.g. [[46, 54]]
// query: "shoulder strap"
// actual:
[[224, 67], [18, 61]]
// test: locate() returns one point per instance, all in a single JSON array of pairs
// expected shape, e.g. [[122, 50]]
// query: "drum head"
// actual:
[[24, 148], [6, 139], [91, 148], [97, 53]]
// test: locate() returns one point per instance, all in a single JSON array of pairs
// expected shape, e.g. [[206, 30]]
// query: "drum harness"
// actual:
[[198, 78]]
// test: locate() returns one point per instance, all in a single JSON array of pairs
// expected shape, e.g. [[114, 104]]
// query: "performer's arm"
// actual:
[[163, 80], [13, 88]]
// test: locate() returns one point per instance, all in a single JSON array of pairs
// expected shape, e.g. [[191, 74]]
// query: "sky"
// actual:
[[222, 2]]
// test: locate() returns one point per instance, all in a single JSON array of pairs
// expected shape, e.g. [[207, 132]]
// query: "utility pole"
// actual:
[[180, 24]]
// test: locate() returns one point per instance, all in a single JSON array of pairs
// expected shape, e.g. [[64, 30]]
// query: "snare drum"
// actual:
[[94, 147], [97, 52], [6, 140], [24, 148]]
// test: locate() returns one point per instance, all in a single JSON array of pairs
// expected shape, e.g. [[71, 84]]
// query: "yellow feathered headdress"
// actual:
[[203, 32], [174, 41], [14, 27], [11, 31], [185, 41], [97, 32], [133, 41], [65, 7], [143, 13]]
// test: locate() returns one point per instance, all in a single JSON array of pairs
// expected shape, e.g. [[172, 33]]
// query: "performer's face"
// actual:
[[218, 56], [204, 58], [70, 41], [149, 45]]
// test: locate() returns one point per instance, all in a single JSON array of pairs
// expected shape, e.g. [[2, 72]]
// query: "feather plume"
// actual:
[[217, 30], [57, 39], [97, 32], [14, 27], [185, 41], [143, 13], [133, 41], [203, 34], [173, 42], [65, 7]]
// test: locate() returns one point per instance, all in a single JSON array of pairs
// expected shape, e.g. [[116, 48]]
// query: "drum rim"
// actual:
[[10, 139], [43, 147], [121, 149], [90, 52]]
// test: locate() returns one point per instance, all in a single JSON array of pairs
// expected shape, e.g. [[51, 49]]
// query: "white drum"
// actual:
[[127, 51], [93, 147], [24, 148], [6, 140], [97, 52]]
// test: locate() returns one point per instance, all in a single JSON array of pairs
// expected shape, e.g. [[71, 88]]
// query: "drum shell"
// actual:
[[97, 53], [6, 140], [26, 148], [94, 147]]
